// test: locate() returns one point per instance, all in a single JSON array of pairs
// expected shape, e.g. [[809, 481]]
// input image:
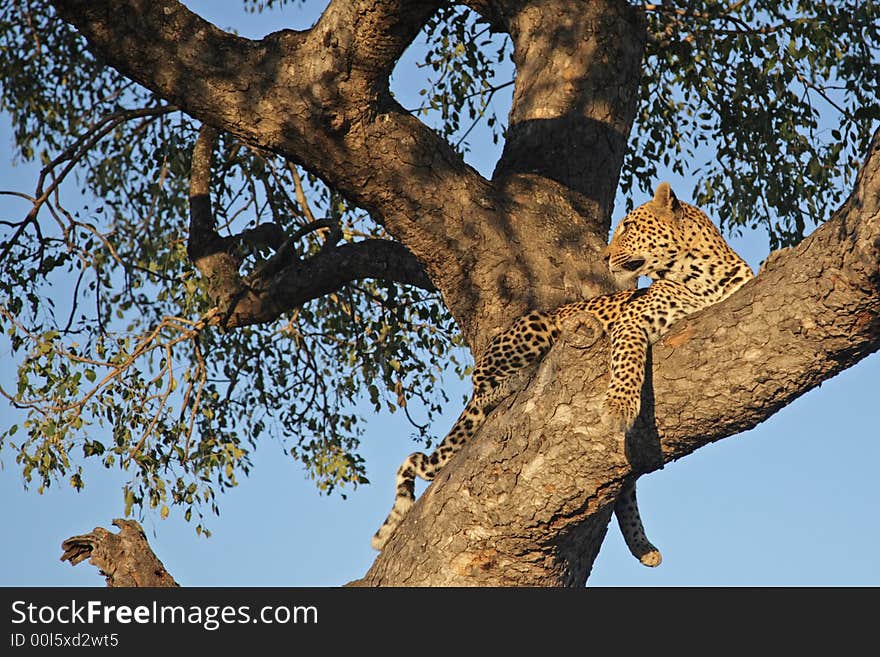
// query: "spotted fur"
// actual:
[[681, 250]]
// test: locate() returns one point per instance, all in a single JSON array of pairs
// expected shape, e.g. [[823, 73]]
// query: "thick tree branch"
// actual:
[[267, 297], [318, 97], [573, 62], [315, 97], [528, 501], [813, 312]]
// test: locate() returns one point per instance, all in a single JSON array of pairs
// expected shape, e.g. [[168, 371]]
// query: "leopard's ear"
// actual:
[[665, 198]]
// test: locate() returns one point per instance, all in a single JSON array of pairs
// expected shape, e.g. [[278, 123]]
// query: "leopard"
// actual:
[[690, 266]]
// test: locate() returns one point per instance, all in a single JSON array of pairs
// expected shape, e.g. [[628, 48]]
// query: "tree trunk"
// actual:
[[528, 502]]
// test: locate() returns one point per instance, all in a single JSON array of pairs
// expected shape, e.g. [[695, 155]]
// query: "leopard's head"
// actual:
[[649, 239]]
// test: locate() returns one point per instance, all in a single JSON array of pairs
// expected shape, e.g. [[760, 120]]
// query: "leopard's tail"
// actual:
[[427, 467], [627, 511]]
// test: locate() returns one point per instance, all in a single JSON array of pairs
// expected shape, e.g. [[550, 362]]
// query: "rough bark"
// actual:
[[570, 63], [529, 500], [124, 559]]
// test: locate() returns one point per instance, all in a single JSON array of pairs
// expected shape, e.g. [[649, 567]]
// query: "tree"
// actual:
[[413, 238]]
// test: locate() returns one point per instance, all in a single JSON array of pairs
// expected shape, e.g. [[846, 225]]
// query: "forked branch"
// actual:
[[284, 281]]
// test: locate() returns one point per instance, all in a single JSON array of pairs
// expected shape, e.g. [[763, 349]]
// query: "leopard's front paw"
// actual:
[[619, 413]]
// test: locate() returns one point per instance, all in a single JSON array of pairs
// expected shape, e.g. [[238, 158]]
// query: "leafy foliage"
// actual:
[[128, 371]]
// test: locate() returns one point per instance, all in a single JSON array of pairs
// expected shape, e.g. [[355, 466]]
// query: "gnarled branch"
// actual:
[[285, 281], [124, 559]]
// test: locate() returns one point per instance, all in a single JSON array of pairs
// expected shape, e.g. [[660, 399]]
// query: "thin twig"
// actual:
[[300, 194], [71, 155], [481, 92]]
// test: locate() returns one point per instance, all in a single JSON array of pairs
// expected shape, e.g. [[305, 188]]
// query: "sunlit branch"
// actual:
[[186, 329], [168, 372]]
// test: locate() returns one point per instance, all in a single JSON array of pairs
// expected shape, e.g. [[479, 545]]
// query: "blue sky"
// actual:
[[792, 502]]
